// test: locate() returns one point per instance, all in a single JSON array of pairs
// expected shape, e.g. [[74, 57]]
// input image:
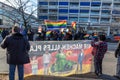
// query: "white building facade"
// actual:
[[93, 15]]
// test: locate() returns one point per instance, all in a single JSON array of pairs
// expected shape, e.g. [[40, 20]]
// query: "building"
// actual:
[[92, 15]]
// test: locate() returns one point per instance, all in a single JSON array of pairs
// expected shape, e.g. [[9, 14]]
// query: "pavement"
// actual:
[[109, 65]]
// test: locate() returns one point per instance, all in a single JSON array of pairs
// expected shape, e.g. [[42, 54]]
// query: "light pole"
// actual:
[[88, 25]]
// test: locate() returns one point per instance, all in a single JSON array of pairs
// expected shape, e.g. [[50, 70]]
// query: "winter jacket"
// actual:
[[17, 49]]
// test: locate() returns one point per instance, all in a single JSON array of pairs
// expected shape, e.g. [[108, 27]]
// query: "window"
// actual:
[[104, 20], [63, 17], [44, 11], [1, 22], [43, 3], [94, 12], [43, 17], [63, 3], [106, 12], [74, 4], [73, 19], [94, 20], [73, 11], [53, 3], [83, 19], [52, 11], [95, 3], [84, 3], [63, 10], [84, 11], [53, 17]]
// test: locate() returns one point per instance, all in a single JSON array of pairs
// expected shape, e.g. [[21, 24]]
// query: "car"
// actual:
[[116, 37]]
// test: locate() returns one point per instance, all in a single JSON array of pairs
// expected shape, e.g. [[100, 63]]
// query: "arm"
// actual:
[[4, 43], [117, 50]]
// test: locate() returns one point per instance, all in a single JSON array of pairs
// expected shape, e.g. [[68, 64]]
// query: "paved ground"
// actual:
[[109, 63]]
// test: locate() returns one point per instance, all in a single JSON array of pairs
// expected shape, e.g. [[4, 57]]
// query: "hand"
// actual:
[[116, 56]]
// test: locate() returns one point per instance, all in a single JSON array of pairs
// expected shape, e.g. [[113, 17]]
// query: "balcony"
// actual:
[[53, 7]]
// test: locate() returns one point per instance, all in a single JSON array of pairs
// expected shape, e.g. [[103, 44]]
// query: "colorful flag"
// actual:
[[73, 24], [55, 24], [48, 33]]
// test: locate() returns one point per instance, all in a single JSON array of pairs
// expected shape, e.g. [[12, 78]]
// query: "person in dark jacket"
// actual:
[[117, 55], [17, 52], [101, 48], [4, 33]]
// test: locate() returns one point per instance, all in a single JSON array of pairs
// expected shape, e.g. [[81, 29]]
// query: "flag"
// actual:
[[55, 24], [73, 24], [48, 33]]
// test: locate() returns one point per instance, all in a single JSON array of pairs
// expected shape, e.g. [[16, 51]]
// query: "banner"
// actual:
[[59, 58], [51, 25]]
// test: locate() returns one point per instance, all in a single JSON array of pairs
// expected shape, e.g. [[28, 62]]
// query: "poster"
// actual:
[[59, 58]]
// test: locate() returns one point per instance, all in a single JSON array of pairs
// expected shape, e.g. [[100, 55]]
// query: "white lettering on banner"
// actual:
[[35, 48], [86, 46], [54, 47], [51, 47]]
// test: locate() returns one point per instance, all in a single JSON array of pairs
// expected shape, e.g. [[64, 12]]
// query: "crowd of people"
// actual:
[[53, 35]]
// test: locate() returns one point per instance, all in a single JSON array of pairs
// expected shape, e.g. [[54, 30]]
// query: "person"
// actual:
[[80, 59], [34, 64], [4, 33], [117, 55], [17, 52], [46, 61], [60, 60], [101, 48], [30, 34], [94, 47]]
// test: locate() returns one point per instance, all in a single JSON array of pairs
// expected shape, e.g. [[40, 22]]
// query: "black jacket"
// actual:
[[17, 48]]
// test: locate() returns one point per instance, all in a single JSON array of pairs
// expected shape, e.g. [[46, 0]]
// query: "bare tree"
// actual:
[[21, 12]]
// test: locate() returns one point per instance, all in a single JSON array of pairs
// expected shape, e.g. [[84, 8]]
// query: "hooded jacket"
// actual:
[[17, 47]]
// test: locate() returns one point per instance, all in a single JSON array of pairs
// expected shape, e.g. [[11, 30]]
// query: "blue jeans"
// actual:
[[98, 65], [46, 68], [118, 67], [12, 72]]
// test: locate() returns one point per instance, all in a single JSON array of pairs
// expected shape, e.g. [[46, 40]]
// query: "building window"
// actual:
[[95, 3], [63, 3], [63, 10], [53, 11], [53, 3], [84, 3], [107, 12], [94, 20], [94, 12], [43, 11], [43, 3], [63, 17], [74, 4], [84, 11], [52, 17], [1, 22], [73, 11], [73, 19], [104, 20], [43, 17], [83, 19]]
